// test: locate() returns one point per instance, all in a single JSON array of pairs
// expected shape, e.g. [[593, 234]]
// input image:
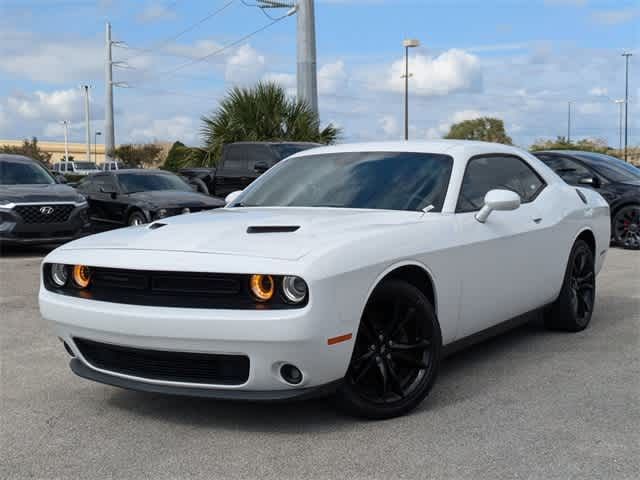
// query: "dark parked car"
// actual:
[[242, 163], [617, 181], [134, 197], [34, 208]]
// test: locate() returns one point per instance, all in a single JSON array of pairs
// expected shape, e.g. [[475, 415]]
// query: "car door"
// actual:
[[501, 260], [105, 198]]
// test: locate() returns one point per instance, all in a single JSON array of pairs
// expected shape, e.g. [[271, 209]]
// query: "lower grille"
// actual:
[[44, 213], [168, 366]]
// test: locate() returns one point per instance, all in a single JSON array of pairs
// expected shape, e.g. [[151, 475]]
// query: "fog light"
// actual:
[[262, 287], [291, 374], [81, 276], [294, 289], [59, 274]]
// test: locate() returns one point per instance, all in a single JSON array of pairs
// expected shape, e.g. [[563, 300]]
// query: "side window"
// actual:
[[234, 158], [102, 181], [489, 172], [84, 185], [258, 153], [569, 170]]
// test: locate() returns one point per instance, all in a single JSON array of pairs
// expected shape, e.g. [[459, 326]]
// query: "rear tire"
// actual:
[[626, 227], [573, 309], [396, 355]]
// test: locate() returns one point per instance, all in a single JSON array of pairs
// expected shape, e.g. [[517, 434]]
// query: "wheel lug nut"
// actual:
[[389, 356]]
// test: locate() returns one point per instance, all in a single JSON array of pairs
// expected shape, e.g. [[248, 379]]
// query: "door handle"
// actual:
[[537, 219]]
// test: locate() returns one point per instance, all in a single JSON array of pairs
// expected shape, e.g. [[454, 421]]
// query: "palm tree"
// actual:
[[261, 113]]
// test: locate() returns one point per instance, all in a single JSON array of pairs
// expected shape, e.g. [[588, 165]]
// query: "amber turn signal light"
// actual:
[[81, 276], [262, 287]]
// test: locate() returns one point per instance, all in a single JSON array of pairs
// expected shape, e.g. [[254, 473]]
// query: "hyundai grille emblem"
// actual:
[[46, 210]]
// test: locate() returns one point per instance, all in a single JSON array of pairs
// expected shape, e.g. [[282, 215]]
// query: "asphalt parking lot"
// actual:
[[527, 404]]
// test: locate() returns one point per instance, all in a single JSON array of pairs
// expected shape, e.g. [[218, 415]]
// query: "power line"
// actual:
[[191, 27]]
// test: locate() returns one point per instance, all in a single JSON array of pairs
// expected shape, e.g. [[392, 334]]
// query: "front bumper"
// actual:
[[269, 338], [84, 371], [14, 230]]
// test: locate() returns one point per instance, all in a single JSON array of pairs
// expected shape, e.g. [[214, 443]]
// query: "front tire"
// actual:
[[136, 218], [573, 309], [396, 355], [626, 227]]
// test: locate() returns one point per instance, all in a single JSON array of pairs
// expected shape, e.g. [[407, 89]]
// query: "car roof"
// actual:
[[140, 171], [15, 158], [274, 143], [451, 147]]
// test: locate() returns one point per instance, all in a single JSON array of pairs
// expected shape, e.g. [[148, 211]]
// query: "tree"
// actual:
[[175, 157], [142, 155], [486, 129], [261, 113], [586, 144], [28, 149]]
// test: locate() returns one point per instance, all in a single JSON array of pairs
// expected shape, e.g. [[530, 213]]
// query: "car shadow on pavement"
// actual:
[[12, 251]]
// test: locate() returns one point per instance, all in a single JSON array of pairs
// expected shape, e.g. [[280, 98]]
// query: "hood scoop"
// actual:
[[273, 229]]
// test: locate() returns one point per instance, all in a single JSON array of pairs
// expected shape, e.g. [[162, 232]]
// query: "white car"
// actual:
[[76, 167], [343, 270]]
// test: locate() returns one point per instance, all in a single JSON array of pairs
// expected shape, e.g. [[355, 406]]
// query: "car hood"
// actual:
[[176, 198], [253, 232], [38, 193]]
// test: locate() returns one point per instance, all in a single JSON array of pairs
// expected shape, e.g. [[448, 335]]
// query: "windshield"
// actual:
[[284, 150], [612, 168], [378, 180], [23, 173], [146, 182], [86, 165]]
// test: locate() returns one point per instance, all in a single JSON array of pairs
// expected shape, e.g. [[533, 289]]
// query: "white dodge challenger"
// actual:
[[343, 270]]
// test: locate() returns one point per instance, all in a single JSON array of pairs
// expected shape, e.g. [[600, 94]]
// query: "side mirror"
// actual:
[[232, 196], [261, 166], [109, 191], [593, 182], [501, 200]]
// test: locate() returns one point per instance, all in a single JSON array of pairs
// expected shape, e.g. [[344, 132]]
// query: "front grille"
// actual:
[[60, 233], [44, 213], [171, 289], [168, 366]]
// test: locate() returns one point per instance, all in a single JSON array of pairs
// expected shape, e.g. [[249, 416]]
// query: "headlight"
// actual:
[[294, 289], [186, 210], [81, 276], [262, 287], [161, 213], [59, 274]]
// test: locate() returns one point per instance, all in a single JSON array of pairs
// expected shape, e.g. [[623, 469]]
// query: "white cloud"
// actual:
[[332, 77], [615, 17], [598, 91], [389, 125], [452, 71], [179, 127], [195, 50], [43, 106], [245, 65], [155, 11]]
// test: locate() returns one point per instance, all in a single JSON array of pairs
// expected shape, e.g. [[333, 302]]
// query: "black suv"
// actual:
[[618, 182], [34, 208], [241, 164]]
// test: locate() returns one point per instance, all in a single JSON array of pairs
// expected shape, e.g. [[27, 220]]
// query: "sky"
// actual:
[[521, 61]]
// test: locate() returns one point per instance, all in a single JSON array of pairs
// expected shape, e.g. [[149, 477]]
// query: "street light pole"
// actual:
[[65, 124], [569, 122], [620, 103], [87, 117], [95, 146], [409, 43], [626, 104]]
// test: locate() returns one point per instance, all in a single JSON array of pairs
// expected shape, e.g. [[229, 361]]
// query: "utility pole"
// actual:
[[65, 124], [626, 104], [407, 44], [87, 117], [307, 75], [569, 122], [307, 64], [620, 103], [95, 147], [109, 131]]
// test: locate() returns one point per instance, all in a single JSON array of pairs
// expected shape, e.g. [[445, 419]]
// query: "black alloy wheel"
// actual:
[[573, 309], [396, 354], [626, 227], [136, 218]]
